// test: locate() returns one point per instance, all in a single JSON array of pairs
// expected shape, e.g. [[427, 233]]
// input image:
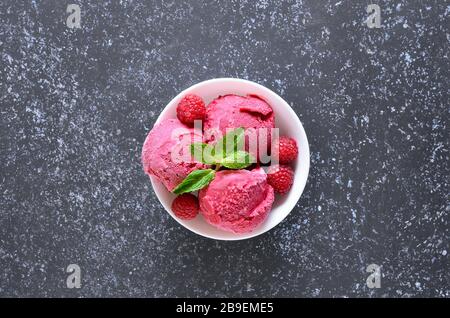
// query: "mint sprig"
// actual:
[[230, 143], [196, 180], [238, 160], [226, 152], [203, 153]]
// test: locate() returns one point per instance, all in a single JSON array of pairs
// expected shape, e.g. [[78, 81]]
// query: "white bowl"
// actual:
[[288, 123]]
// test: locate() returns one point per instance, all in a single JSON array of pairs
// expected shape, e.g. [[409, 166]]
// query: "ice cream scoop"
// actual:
[[237, 200], [249, 112], [166, 152]]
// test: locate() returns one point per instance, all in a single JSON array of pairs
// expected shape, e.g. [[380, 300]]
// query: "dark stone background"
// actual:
[[76, 106]]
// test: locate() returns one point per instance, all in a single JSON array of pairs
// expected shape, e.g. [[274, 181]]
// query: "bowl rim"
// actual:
[[292, 114]]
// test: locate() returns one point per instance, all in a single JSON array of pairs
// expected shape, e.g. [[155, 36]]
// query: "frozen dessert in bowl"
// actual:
[[220, 192]]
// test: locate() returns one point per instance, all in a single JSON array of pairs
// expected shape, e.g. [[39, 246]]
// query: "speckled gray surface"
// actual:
[[76, 106]]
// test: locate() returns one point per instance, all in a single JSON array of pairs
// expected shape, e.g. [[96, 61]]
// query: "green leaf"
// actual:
[[203, 153], [230, 143], [196, 180], [197, 150], [238, 160]]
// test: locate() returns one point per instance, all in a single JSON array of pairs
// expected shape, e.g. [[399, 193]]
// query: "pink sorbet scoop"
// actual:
[[237, 200], [249, 112], [166, 152]]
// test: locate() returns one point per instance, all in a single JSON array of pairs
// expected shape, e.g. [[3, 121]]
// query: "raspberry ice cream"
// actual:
[[166, 152], [233, 111], [237, 200]]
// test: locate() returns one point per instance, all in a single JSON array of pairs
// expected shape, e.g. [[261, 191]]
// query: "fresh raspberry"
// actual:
[[280, 177], [185, 206], [287, 149], [190, 108]]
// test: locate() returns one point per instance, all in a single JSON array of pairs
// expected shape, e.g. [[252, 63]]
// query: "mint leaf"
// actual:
[[203, 153], [197, 150], [238, 160], [196, 180], [229, 143]]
